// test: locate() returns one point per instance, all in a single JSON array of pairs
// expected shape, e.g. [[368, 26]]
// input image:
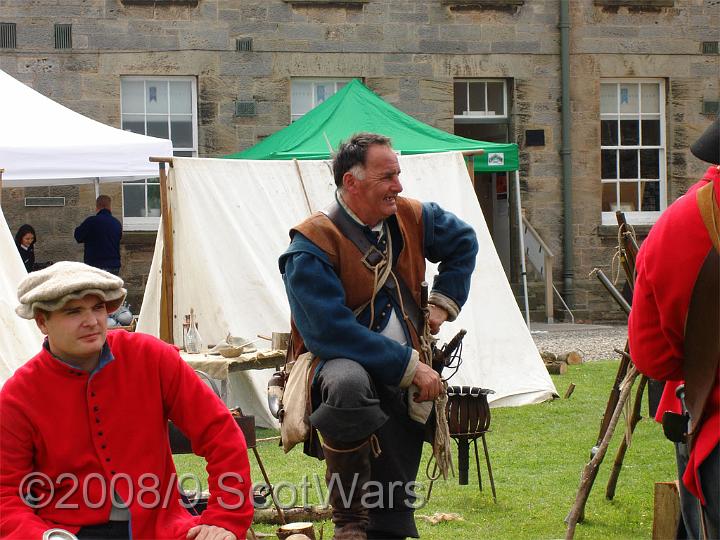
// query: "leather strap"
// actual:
[[702, 326], [710, 212], [349, 228]]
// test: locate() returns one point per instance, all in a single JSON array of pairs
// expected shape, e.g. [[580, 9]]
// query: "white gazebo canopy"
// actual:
[[44, 143]]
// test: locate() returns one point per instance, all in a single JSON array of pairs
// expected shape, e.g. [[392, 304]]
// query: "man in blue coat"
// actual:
[[353, 274], [101, 235]]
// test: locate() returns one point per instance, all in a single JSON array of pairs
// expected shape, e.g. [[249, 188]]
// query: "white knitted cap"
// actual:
[[53, 287]]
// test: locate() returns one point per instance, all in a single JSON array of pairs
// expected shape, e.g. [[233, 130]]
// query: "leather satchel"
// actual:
[[295, 403]]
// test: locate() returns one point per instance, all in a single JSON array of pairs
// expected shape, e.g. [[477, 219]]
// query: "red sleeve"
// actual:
[[214, 435], [17, 519], [651, 350]]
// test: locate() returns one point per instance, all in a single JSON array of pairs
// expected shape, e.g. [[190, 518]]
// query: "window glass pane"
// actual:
[[609, 132], [157, 126], [628, 163], [629, 132], [649, 163], [477, 96], [628, 196], [153, 200], [180, 97], [460, 97], [608, 98], [181, 131], [609, 197], [323, 91], [183, 153], [629, 102], [340, 84], [134, 123], [134, 199], [651, 132], [153, 180], [650, 97], [301, 97], [495, 104], [650, 196], [156, 94], [132, 96], [608, 160]]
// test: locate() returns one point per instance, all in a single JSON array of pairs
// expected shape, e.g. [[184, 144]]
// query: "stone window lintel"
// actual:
[[482, 3], [326, 2]]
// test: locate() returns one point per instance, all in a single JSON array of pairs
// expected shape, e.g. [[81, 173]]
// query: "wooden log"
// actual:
[[311, 513], [548, 357], [298, 529], [571, 358], [666, 511], [569, 391], [556, 368]]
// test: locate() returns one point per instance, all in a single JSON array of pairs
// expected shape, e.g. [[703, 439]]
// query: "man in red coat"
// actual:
[[668, 268], [84, 447]]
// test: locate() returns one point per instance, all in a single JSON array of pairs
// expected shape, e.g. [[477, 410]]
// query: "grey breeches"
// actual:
[[349, 406]]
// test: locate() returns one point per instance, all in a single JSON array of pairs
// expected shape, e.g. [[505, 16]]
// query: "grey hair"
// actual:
[[352, 154]]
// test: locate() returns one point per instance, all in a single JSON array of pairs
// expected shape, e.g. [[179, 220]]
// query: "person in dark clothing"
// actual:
[[25, 241], [101, 235]]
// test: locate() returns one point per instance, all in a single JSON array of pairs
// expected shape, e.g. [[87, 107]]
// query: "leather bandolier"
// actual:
[[702, 327]]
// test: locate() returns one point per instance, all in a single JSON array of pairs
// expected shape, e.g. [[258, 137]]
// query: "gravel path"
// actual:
[[593, 342]]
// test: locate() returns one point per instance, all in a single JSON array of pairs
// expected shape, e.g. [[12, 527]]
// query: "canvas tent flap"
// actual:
[[43, 143], [20, 339], [231, 220], [356, 108]]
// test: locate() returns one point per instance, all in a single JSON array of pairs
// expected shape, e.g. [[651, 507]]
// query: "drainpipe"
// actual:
[[565, 152]]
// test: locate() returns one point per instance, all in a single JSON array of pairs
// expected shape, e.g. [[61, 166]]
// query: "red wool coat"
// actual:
[[109, 432], [667, 266]]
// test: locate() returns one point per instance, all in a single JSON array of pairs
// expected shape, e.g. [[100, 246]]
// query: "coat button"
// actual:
[[103, 446], [100, 433], [96, 408]]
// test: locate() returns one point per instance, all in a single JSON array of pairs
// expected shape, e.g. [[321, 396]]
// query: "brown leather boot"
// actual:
[[348, 471]]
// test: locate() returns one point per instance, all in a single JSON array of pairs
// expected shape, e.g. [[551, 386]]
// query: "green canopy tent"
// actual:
[[355, 108]]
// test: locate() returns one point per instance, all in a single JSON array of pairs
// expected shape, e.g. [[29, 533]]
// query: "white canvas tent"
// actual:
[[230, 223], [20, 339], [43, 143]]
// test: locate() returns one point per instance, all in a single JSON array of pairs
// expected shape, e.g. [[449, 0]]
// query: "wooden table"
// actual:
[[218, 367]]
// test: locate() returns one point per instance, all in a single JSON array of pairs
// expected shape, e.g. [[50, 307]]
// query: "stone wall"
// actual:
[[409, 52]]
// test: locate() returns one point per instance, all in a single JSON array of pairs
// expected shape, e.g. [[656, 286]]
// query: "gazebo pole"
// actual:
[[1, 172], [167, 315]]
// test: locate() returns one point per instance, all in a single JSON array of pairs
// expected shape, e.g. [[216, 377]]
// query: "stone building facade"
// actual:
[[644, 83]]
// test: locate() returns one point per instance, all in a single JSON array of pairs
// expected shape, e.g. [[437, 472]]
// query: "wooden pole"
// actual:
[[620, 455], [168, 268], [471, 162], [591, 469]]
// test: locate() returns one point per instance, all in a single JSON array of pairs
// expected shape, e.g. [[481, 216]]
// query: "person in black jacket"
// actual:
[[101, 235], [25, 241]]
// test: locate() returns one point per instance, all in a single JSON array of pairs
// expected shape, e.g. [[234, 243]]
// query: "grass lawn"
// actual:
[[537, 454]]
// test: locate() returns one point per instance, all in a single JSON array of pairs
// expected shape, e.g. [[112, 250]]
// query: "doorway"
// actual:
[[492, 191]]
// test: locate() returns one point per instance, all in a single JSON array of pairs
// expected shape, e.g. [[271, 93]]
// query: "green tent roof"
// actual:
[[356, 108]]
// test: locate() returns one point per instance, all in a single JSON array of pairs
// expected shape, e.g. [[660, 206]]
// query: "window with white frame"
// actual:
[[306, 94], [164, 107], [483, 98], [632, 149]]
